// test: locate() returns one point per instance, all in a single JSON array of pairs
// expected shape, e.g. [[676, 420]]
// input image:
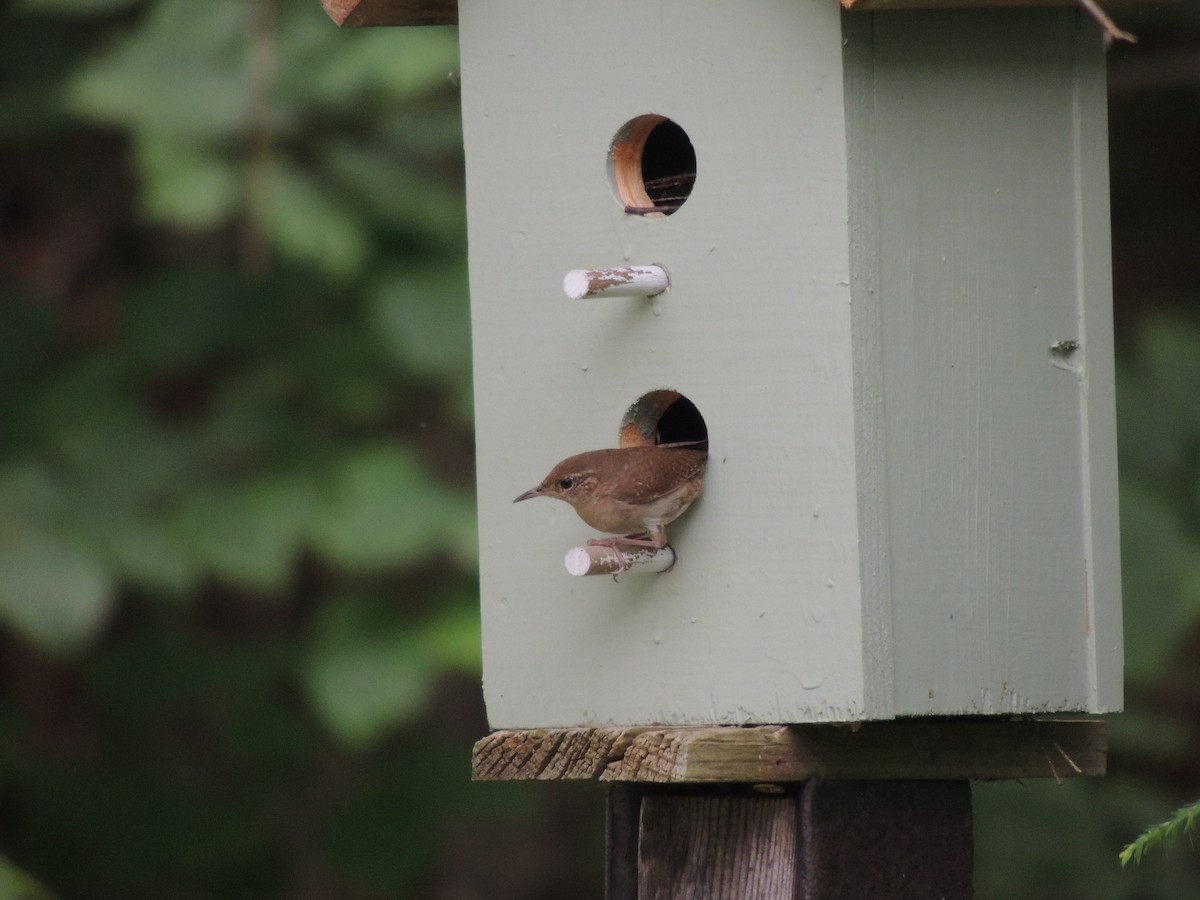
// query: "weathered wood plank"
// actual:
[[935, 749], [718, 848], [392, 12], [884, 5], [549, 753], [621, 828], [445, 12]]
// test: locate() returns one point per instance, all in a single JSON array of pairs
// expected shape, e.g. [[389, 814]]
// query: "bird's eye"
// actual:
[[566, 483]]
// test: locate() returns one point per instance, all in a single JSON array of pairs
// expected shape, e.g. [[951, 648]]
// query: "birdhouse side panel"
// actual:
[[986, 400]]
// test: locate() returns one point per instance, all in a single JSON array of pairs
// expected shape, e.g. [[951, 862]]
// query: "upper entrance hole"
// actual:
[[652, 165], [663, 416]]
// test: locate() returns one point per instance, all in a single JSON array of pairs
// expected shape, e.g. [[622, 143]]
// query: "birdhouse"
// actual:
[[866, 256]]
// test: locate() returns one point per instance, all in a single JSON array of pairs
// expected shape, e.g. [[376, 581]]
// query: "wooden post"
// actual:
[[799, 812], [821, 840]]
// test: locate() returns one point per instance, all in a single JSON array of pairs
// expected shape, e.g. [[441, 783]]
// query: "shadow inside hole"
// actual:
[[668, 166], [663, 417]]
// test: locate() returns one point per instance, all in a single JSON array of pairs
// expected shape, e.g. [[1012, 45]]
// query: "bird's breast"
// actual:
[[616, 515]]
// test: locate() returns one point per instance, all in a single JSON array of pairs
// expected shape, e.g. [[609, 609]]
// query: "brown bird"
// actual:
[[634, 492]]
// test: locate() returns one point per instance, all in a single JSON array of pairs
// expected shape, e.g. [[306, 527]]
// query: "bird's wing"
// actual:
[[652, 480]]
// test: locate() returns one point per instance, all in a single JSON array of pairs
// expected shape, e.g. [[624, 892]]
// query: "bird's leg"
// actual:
[[614, 544], [655, 538]]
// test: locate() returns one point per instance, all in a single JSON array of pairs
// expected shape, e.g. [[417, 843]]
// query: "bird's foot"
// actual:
[[637, 541], [613, 544]]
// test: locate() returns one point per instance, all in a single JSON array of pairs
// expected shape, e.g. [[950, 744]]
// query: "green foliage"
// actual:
[[184, 72], [235, 423], [18, 885], [367, 666], [237, 542], [1164, 833]]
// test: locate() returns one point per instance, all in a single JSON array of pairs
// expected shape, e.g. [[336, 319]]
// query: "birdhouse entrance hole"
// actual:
[[652, 165], [662, 417]]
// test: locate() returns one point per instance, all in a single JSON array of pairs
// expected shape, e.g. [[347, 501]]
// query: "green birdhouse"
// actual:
[[870, 264]]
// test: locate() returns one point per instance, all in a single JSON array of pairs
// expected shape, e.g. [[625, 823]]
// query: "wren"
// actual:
[[634, 492]]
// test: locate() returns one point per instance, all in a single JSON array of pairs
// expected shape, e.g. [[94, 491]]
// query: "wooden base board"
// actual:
[[906, 749]]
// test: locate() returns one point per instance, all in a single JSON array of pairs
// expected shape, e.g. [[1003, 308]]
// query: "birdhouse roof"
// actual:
[[445, 12]]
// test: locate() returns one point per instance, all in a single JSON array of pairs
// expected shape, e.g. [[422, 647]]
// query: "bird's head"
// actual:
[[573, 480]]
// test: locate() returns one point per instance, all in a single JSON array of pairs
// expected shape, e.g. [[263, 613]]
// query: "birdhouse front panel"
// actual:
[[853, 336], [759, 620]]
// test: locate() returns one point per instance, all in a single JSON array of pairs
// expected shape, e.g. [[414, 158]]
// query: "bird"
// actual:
[[632, 492]]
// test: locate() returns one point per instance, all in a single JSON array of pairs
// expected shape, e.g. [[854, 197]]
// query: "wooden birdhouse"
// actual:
[[872, 251]]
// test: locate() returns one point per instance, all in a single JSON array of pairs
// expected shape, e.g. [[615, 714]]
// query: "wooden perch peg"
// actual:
[[625, 281], [594, 560]]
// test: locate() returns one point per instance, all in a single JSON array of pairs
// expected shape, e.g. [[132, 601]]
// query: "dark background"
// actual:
[[238, 616]]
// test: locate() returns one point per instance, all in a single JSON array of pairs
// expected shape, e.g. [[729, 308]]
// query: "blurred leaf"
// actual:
[[185, 183], [1141, 732], [51, 590], [147, 554], [1161, 574], [173, 428], [25, 338], [180, 316], [249, 534], [18, 885], [452, 637], [309, 225], [383, 510], [399, 195], [387, 65], [371, 669], [183, 72], [423, 318], [344, 372], [366, 673], [36, 55], [1157, 415]]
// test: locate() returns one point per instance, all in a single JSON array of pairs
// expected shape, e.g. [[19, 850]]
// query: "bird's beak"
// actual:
[[532, 492]]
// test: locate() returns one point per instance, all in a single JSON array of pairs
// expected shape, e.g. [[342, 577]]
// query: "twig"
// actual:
[[1050, 763], [666, 208], [1110, 27], [1063, 753]]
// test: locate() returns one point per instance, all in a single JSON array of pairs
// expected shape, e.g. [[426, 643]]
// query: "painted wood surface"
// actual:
[[760, 618], [984, 352]]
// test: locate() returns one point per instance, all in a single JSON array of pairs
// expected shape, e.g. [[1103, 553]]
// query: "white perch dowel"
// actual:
[[590, 560], [626, 281]]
